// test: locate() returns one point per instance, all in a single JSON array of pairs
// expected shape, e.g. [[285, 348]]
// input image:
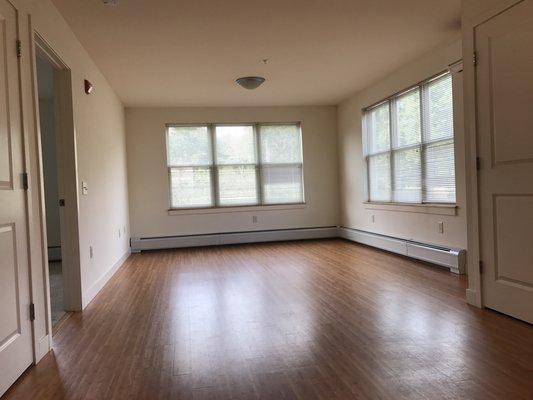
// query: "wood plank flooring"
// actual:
[[323, 319]]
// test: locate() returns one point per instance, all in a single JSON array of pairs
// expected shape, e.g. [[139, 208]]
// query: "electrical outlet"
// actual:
[[91, 253], [84, 188], [254, 219], [440, 226]]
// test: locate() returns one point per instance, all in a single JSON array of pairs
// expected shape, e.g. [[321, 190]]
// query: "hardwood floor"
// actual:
[[303, 320]]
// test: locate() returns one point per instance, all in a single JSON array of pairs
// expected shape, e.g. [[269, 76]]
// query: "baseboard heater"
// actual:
[[214, 239], [453, 258]]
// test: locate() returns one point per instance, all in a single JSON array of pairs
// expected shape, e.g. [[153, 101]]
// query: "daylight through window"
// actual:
[[219, 165], [409, 145]]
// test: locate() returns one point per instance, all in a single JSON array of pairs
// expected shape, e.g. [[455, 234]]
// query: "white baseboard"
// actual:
[[453, 258], [173, 242], [100, 283]]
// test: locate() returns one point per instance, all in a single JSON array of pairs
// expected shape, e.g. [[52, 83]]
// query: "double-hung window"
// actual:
[[409, 145], [228, 165]]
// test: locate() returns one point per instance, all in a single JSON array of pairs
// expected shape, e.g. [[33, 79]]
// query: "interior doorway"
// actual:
[[58, 182], [50, 162]]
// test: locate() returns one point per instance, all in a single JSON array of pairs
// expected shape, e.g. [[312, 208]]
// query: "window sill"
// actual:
[[438, 209], [226, 210]]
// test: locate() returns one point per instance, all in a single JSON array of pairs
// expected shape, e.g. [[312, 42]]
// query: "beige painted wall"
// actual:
[[474, 8], [101, 158], [148, 180], [416, 226]]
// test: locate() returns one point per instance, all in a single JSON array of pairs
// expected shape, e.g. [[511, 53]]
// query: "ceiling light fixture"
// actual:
[[250, 82]]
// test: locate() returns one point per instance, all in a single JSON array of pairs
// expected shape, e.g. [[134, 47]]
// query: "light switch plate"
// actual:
[[84, 188]]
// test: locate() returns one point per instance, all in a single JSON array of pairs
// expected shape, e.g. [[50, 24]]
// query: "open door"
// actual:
[[16, 352], [504, 83], [58, 181]]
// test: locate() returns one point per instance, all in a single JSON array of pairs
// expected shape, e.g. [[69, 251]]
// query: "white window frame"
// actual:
[[422, 146], [213, 167]]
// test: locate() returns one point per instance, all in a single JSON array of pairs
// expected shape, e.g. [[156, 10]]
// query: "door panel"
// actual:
[[504, 84], [15, 327], [8, 285], [514, 219], [6, 167]]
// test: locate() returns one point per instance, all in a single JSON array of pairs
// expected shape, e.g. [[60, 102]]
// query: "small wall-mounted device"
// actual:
[[84, 188], [88, 87]]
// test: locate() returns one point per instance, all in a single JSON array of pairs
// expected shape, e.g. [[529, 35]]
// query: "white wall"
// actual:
[[418, 225], [101, 158], [49, 151], [148, 178]]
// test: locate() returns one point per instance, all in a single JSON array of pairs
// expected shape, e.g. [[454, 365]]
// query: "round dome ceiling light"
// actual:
[[250, 82]]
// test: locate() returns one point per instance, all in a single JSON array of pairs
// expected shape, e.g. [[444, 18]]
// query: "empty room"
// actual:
[[276, 199]]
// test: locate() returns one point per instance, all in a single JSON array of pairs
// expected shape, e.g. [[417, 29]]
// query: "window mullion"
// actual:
[[392, 135], [424, 129], [259, 165], [214, 169]]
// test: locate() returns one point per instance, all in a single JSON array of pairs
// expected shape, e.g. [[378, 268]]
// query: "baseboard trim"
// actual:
[[173, 242], [452, 258], [91, 293]]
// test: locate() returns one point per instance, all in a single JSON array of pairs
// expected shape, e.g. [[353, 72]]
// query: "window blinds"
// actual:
[[221, 165], [410, 147]]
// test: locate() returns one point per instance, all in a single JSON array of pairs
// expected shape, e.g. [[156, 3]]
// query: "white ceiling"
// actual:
[[189, 52]]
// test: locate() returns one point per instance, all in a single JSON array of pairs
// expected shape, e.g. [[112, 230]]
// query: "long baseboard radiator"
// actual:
[[173, 242], [454, 259]]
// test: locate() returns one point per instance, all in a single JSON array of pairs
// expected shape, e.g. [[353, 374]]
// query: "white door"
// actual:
[[15, 325], [504, 49]]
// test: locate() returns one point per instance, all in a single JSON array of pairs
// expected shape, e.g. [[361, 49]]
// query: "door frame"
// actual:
[[474, 293], [67, 174]]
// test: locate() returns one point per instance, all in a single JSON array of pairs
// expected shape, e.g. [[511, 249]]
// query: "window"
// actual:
[[220, 165], [409, 145]]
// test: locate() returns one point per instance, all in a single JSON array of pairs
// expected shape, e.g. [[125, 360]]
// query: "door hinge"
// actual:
[[32, 312], [19, 48], [480, 267], [478, 163], [474, 59], [25, 184]]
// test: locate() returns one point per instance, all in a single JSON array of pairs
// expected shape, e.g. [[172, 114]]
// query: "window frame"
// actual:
[[422, 88], [213, 167]]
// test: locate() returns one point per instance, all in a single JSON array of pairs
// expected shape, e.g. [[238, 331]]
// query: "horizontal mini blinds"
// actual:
[[409, 145], [282, 164], [189, 160], [236, 160], [219, 165]]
